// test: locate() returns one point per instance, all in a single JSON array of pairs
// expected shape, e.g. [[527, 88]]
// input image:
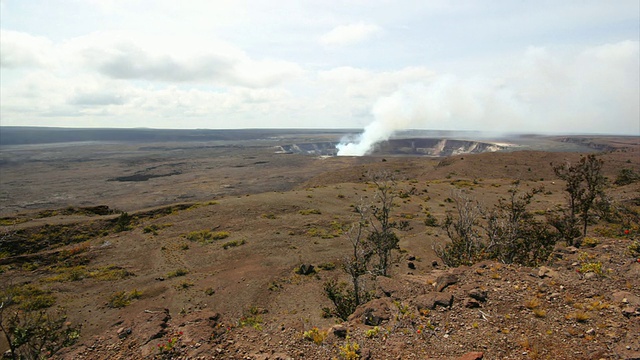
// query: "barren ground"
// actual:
[[262, 201]]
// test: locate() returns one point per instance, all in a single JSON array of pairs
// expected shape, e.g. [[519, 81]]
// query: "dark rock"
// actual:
[[434, 263], [339, 331], [411, 266], [471, 303], [411, 258], [445, 280], [306, 269], [124, 333], [478, 294]]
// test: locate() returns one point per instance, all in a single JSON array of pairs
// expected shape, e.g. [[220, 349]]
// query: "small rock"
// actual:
[[434, 263], [124, 333], [590, 331], [571, 249], [554, 296], [629, 311], [306, 269], [589, 275], [411, 266], [411, 258], [471, 303], [547, 272]]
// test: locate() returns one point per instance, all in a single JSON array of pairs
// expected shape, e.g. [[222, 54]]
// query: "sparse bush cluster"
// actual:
[[511, 233], [372, 239], [29, 327]]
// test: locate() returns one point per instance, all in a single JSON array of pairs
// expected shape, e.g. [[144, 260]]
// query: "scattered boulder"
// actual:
[[471, 303], [445, 280], [389, 287], [544, 272], [431, 300], [478, 294], [625, 297], [373, 313], [338, 330], [474, 355]]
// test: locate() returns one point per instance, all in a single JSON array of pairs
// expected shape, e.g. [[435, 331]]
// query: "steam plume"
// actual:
[[391, 113], [423, 106]]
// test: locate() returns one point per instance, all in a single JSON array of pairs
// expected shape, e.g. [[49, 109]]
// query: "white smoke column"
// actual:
[[392, 113]]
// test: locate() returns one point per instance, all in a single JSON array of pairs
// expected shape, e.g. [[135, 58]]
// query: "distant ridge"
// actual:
[[18, 135]]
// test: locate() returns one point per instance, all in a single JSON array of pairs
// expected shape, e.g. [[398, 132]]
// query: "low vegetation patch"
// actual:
[[177, 273], [207, 236], [252, 317], [121, 299], [310, 212], [153, 228], [28, 297], [315, 335], [233, 243]]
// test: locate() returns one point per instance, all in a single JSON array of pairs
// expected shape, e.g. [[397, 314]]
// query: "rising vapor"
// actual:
[[593, 91], [422, 106]]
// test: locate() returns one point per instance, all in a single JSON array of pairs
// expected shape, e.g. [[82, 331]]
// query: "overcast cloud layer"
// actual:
[[532, 66]]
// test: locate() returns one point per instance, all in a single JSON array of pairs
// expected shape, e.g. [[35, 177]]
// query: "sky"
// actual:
[[543, 66]]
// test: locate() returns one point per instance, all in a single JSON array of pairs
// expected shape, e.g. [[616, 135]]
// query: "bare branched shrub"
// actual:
[[466, 246], [584, 183], [382, 236]]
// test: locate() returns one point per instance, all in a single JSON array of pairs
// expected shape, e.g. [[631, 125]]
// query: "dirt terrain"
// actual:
[[204, 264]]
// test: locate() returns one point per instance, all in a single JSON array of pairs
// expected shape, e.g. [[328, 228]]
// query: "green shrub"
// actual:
[[430, 220], [626, 176], [343, 299]]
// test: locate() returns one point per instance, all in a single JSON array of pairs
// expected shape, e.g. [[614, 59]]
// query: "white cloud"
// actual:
[[119, 56], [349, 34], [22, 50]]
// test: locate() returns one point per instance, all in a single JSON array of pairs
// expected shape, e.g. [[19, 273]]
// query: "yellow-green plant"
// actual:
[[121, 299], [590, 242], [350, 350], [315, 335], [178, 272], [371, 333], [233, 243]]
